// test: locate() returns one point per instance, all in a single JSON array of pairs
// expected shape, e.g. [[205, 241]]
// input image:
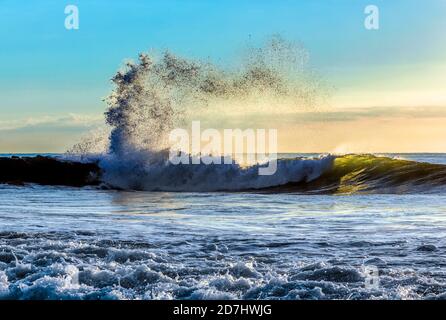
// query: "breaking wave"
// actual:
[[161, 175], [349, 174], [161, 92], [158, 93]]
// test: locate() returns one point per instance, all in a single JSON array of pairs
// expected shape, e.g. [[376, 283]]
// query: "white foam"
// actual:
[[142, 173]]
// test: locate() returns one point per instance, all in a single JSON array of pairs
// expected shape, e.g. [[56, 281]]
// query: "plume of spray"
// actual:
[[156, 94], [91, 147]]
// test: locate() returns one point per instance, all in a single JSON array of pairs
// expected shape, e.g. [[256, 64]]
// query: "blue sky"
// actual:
[[48, 71]]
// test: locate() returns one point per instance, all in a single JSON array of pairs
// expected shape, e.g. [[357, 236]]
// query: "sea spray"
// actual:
[[157, 94]]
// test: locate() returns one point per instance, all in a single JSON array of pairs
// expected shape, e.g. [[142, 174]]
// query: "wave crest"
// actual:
[[351, 174], [160, 175]]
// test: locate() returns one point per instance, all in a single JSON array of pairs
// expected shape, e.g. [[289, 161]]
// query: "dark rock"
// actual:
[[48, 171]]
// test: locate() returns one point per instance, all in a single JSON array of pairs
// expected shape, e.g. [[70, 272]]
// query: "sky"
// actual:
[[388, 86]]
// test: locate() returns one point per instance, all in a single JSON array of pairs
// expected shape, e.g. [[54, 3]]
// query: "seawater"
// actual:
[[87, 243]]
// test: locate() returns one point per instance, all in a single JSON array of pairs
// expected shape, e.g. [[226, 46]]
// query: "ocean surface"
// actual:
[[95, 243]]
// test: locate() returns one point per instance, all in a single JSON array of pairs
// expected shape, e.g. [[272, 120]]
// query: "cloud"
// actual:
[[90, 121], [265, 119], [69, 121]]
